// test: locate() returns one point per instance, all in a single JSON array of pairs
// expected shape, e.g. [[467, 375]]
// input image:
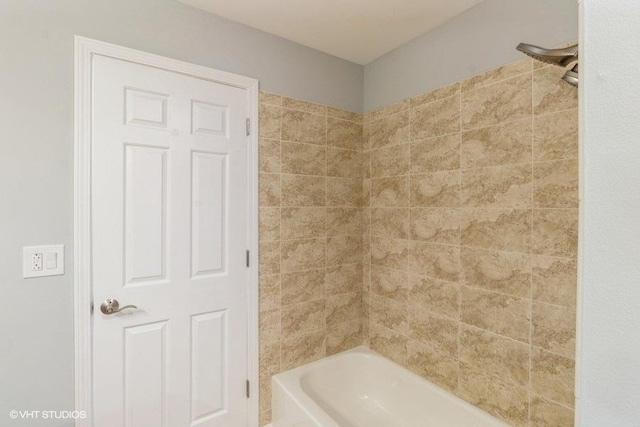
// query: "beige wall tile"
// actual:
[[436, 225], [344, 114], [389, 110], [390, 192], [436, 119], [269, 155], [300, 318], [270, 121], [502, 144], [504, 272], [343, 308], [269, 328], [497, 187], [344, 250], [505, 101], [269, 359], [550, 93], [503, 314], [545, 413], [344, 134], [437, 366], [269, 189], [440, 333], [303, 190], [269, 258], [304, 159], [436, 189], [552, 376], [555, 232], [434, 295], [344, 163], [344, 221], [269, 292], [298, 255], [389, 313], [303, 223], [498, 74], [390, 161], [391, 284], [500, 229], [440, 153], [343, 279], [390, 130], [300, 105], [344, 336], [344, 192], [435, 95], [434, 260], [389, 253], [555, 184], [304, 127], [556, 136], [555, 280], [270, 98], [390, 222], [554, 329], [302, 349], [303, 286], [265, 395], [388, 343], [269, 224]]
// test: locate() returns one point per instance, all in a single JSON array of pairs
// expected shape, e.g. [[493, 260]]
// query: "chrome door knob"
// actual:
[[112, 306]]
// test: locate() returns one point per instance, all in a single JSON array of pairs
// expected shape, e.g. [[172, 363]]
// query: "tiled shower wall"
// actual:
[[471, 238], [310, 235]]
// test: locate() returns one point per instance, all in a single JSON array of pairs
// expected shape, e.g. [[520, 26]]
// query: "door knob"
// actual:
[[112, 306]]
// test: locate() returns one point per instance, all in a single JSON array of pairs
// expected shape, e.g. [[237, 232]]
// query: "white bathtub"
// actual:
[[360, 388]]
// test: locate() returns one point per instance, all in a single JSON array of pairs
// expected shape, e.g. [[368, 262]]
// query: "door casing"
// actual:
[[85, 50]]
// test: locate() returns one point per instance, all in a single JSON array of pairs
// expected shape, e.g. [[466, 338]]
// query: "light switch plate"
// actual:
[[41, 261]]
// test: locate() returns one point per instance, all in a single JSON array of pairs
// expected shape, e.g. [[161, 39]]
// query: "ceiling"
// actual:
[[356, 30]]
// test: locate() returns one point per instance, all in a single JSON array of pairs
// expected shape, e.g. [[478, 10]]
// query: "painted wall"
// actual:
[[482, 38], [36, 165], [608, 383]]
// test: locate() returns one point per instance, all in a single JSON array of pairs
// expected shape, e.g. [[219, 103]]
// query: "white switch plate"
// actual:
[[40, 261]]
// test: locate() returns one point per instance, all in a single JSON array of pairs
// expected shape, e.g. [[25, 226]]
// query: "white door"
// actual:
[[169, 235]]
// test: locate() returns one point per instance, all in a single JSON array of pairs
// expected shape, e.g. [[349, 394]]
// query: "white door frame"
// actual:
[[85, 50]]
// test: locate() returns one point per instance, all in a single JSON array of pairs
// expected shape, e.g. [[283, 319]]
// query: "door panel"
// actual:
[[169, 225]]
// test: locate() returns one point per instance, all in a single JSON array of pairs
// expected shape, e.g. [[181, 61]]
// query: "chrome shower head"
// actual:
[[560, 57], [571, 76]]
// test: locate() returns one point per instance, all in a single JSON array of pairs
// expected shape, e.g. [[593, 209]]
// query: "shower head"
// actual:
[[560, 57], [571, 76]]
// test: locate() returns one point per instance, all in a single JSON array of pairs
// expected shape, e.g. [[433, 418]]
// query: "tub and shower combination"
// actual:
[[360, 388]]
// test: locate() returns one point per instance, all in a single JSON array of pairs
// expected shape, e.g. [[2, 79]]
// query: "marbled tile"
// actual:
[[545, 413], [440, 333], [304, 159], [500, 229], [303, 190], [556, 136], [554, 329], [303, 223], [269, 224], [304, 127], [264, 418], [555, 232], [507, 143], [343, 279], [390, 130], [269, 359], [435, 95], [300, 105], [269, 327], [344, 250], [502, 357], [269, 155], [391, 284], [436, 119], [344, 163], [366, 192], [503, 314], [265, 394], [302, 286], [552, 376], [302, 349], [390, 314], [434, 260], [366, 132], [390, 192], [344, 192], [343, 308], [388, 343], [555, 280], [437, 225], [497, 187], [440, 153], [505, 101], [389, 110], [390, 222], [344, 336], [344, 134], [366, 164], [432, 364], [304, 317], [498, 74], [270, 98], [304, 254], [550, 93], [390, 161], [269, 184], [344, 221], [366, 249], [436, 189], [434, 295], [269, 258], [269, 292], [504, 272], [390, 253], [270, 121], [500, 398], [555, 184], [339, 113]]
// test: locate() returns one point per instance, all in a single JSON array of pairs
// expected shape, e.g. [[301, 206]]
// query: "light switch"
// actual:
[[40, 261]]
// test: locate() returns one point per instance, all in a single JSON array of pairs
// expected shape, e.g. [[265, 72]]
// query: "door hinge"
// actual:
[[248, 389], [248, 126], [248, 257]]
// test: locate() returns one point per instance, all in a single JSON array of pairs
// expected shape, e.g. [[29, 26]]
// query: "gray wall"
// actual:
[[36, 164], [482, 38]]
